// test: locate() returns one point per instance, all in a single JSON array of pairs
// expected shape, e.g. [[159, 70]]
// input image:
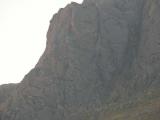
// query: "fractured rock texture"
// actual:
[[100, 54]]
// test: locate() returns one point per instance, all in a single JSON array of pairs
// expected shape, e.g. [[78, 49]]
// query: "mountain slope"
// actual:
[[101, 62]]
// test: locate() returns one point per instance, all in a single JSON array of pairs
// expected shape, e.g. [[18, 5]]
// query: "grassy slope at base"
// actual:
[[142, 110]]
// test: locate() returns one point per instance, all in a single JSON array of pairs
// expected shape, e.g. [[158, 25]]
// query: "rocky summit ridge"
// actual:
[[101, 62]]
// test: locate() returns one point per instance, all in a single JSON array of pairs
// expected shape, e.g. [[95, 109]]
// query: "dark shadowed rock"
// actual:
[[101, 57]]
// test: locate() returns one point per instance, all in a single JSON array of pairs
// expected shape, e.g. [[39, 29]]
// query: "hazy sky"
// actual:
[[23, 27]]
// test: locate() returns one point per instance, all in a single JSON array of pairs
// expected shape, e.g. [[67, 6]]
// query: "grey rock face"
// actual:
[[97, 53], [6, 92]]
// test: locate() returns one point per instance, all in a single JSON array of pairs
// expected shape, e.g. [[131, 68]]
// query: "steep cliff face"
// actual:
[[101, 62]]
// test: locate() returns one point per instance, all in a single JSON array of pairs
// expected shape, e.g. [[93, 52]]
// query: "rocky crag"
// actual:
[[101, 62]]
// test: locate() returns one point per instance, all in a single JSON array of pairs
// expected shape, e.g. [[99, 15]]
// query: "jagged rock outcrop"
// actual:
[[101, 57]]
